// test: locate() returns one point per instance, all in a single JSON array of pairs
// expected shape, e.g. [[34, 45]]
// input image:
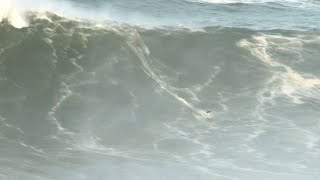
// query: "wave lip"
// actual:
[[10, 13]]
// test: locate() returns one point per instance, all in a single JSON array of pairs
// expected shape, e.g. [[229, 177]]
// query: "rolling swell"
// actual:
[[82, 91]]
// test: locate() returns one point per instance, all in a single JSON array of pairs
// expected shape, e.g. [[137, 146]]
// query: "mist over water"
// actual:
[[159, 90]]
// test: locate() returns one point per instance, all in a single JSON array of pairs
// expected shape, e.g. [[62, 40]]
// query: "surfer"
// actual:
[[208, 113]]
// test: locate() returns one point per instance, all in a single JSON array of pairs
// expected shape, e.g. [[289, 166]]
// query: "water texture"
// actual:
[[160, 89]]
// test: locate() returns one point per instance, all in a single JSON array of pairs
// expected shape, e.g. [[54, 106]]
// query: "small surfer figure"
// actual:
[[208, 112]]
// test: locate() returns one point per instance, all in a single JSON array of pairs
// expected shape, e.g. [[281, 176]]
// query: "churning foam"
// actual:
[[15, 10], [292, 83], [12, 14]]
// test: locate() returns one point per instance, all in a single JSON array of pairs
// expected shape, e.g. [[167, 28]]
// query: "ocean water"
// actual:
[[160, 89]]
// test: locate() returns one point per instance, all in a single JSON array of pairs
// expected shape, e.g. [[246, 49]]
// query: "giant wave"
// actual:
[[81, 99]]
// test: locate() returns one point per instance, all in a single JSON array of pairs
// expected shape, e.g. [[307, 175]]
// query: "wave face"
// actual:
[[111, 99]]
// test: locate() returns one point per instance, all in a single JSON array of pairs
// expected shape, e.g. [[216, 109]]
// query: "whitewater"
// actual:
[[159, 89]]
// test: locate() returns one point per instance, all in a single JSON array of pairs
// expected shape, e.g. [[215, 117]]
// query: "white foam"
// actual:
[[65, 94], [15, 10], [9, 11], [285, 80]]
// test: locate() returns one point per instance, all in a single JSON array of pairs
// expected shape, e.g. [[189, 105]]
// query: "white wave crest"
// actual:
[[10, 12], [285, 80]]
